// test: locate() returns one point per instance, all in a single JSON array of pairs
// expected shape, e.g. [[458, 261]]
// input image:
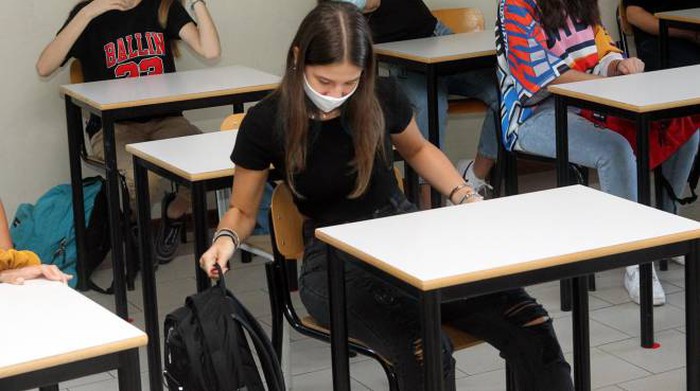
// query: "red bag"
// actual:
[[665, 136]]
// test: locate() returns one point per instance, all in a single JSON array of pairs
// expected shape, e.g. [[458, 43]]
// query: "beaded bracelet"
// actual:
[[228, 233]]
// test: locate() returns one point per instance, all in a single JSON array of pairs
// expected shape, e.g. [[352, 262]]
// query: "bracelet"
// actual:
[[469, 196], [456, 189], [193, 2], [228, 233]]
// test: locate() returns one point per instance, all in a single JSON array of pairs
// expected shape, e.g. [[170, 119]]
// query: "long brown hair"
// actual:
[[163, 10], [553, 13], [332, 33]]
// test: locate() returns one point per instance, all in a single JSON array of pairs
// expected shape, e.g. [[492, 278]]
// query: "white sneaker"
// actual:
[[631, 282], [466, 168]]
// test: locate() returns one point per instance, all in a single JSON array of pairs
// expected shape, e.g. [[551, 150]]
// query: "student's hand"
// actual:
[[220, 252], [18, 276], [98, 7], [53, 273], [630, 66]]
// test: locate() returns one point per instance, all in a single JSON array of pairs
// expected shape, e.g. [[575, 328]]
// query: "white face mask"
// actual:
[[325, 103]]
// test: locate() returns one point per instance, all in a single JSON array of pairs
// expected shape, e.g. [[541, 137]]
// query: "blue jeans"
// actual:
[[604, 150], [387, 320], [479, 84]]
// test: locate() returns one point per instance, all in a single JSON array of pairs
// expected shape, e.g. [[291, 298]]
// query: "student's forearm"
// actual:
[[432, 165], [56, 51], [209, 46], [572, 76], [645, 21]]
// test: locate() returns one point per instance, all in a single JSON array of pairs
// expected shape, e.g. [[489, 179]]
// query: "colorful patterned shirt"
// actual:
[[529, 58]]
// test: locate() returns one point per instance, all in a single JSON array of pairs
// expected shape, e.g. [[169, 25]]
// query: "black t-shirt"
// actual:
[[398, 20], [654, 6], [130, 43], [328, 179]]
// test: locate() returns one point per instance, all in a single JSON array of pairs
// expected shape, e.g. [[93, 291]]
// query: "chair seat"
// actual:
[[259, 245], [460, 339], [466, 106]]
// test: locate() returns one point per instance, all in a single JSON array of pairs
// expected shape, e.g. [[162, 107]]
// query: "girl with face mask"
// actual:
[[328, 129]]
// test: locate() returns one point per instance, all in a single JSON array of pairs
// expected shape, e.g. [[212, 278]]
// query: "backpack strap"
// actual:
[[268, 358], [672, 195]]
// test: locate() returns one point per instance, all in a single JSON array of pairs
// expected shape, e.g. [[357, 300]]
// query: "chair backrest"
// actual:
[[233, 121], [76, 72], [287, 222], [461, 20], [624, 28]]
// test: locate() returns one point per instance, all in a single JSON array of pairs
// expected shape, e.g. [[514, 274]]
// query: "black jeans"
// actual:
[[680, 53], [387, 320]]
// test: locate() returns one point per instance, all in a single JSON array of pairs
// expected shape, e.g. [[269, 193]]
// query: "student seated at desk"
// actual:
[[683, 45], [332, 122], [134, 38], [538, 45], [398, 20], [19, 266]]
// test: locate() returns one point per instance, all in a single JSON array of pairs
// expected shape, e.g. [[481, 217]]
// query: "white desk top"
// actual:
[[688, 15], [45, 324], [171, 87], [441, 49], [642, 92], [195, 158], [459, 244]]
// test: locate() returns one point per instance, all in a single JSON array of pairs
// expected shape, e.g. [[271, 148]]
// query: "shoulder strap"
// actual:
[[672, 195], [268, 358]]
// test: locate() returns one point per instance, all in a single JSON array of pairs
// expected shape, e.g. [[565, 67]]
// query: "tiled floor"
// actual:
[[618, 363]]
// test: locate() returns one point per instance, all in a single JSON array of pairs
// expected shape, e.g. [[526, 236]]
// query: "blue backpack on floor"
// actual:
[[47, 228]]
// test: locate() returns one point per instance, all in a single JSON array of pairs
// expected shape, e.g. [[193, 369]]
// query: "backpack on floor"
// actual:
[[47, 228], [206, 347]]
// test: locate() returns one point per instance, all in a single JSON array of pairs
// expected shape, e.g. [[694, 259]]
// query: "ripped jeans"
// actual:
[[387, 320]]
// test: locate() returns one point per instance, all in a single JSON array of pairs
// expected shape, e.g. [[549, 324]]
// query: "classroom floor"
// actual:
[[618, 362]]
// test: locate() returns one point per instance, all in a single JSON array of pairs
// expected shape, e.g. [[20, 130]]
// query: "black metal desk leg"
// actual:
[[129, 371], [562, 142], [582, 355], [644, 197], [201, 232], [114, 209], [432, 344], [433, 123], [663, 44], [692, 316], [75, 132], [339, 326], [148, 277]]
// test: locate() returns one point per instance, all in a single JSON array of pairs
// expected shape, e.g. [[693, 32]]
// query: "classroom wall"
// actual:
[[33, 149]]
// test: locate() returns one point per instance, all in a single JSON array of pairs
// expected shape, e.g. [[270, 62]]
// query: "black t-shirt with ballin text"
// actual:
[[131, 43]]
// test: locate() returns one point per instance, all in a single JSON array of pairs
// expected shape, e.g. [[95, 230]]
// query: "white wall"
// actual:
[[33, 150]]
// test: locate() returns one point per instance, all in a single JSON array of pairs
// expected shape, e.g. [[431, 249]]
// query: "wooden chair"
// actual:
[[624, 28], [462, 20], [131, 255], [287, 241], [256, 244]]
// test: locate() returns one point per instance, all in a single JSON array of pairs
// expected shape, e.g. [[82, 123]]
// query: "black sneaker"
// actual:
[[168, 237]]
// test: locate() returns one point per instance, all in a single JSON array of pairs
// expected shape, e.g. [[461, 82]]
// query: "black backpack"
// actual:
[[206, 347]]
